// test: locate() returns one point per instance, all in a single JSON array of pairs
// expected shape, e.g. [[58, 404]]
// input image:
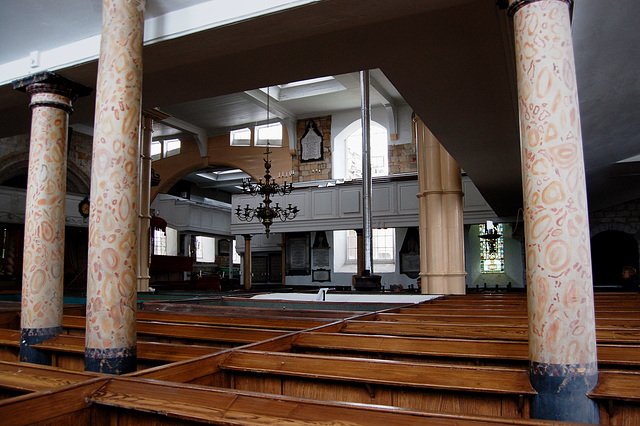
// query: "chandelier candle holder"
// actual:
[[265, 213]]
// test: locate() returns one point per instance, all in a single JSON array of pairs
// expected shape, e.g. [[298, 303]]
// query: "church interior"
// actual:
[[320, 212]]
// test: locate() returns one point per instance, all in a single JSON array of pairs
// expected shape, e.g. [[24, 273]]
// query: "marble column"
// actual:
[[247, 262], [562, 337], [110, 343], [43, 262]]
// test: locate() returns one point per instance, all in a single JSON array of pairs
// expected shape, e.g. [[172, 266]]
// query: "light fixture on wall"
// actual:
[[490, 236], [264, 212]]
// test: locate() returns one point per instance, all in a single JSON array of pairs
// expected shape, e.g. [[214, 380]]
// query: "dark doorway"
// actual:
[[610, 251], [266, 268]]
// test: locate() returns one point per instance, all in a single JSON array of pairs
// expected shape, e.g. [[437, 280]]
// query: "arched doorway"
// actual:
[[610, 251]]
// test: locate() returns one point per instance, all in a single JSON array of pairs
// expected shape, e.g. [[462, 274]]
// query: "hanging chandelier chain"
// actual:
[[264, 212]]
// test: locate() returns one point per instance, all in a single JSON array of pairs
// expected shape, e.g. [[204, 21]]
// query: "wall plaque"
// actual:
[[298, 260], [311, 145]]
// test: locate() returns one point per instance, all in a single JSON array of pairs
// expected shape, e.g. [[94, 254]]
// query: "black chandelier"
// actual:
[[264, 212]]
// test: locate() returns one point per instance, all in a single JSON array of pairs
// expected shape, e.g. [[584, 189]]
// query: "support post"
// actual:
[[44, 231], [110, 342], [562, 337], [247, 262]]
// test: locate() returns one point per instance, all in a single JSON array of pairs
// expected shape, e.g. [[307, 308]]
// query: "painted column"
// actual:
[[562, 338], [110, 344], [452, 222], [247, 262], [43, 262]]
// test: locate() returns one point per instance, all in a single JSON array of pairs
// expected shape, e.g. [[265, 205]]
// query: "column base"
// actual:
[[33, 336], [562, 393], [111, 361]]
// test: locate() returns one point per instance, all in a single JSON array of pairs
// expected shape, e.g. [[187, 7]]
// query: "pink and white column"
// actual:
[[562, 336], [110, 344], [43, 266]]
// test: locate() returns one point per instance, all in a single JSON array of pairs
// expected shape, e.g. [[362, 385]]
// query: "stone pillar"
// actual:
[[247, 262], [562, 338], [441, 229], [430, 195], [144, 201], [452, 222], [110, 345], [43, 262]]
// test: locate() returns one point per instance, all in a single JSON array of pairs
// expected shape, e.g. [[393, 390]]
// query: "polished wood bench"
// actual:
[[259, 321], [10, 337], [151, 351], [127, 400], [435, 387], [465, 331], [373, 371], [618, 395], [19, 377], [183, 333], [414, 346], [469, 349], [408, 315], [474, 331]]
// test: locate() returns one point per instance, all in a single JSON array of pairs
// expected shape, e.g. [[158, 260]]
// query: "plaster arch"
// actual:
[[249, 159], [17, 164]]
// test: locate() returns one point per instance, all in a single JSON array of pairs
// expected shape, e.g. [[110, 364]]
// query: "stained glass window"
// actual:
[[491, 251]]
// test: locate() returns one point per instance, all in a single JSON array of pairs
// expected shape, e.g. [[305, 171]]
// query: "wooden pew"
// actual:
[[260, 321], [133, 401], [438, 330], [185, 333], [408, 315], [474, 331], [414, 346], [474, 350], [393, 373], [245, 311], [18, 378], [68, 352], [432, 387], [618, 394]]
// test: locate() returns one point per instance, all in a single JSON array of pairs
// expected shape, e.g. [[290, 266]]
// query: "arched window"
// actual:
[[347, 158]]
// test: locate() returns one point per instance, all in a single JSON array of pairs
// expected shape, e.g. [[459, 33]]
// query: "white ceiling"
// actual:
[[450, 60]]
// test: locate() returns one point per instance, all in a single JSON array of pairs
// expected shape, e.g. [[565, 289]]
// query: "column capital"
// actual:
[[514, 5], [48, 82], [52, 83]]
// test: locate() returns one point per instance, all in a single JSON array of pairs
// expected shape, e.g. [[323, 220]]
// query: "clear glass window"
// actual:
[[271, 132], [384, 247], [205, 249], [156, 150], [171, 147], [159, 242], [240, 137], [379, 153]]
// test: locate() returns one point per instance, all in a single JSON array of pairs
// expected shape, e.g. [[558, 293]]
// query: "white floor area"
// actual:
[[351, 298]]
